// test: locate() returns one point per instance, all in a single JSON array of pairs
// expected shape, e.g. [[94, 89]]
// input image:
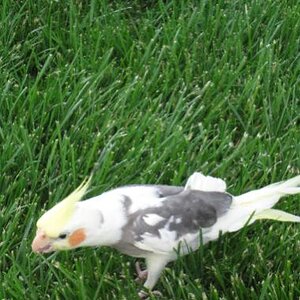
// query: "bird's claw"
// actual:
[[142, 275], [145, 295]]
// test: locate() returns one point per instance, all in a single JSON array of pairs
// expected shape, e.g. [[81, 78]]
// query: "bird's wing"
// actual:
[[177, 219]]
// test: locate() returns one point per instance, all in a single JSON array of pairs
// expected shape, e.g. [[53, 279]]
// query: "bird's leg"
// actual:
[[142, 275], [155, 265]]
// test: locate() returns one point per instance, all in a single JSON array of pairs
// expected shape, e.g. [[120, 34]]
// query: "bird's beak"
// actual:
[[41, 243]]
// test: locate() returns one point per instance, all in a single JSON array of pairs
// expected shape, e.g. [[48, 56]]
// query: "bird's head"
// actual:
[[67, 225]]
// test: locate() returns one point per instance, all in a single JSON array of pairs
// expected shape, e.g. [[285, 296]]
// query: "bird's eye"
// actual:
[[62, 236]]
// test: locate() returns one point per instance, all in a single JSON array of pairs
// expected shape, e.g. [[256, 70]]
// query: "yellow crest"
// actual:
[[53, 220]]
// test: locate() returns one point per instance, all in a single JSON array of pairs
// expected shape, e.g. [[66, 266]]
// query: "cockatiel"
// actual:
[[157, 222]]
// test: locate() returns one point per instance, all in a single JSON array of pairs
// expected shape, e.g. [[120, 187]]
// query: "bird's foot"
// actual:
[[145, 295], [142, 275]]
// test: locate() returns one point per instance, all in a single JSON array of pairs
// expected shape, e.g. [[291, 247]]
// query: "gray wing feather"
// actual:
[[182, 211], [185, 212]]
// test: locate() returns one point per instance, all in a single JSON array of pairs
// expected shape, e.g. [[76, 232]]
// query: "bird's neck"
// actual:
[[110, 229]]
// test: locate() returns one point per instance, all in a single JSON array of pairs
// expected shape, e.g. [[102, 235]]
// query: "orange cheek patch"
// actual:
[[77, 237]]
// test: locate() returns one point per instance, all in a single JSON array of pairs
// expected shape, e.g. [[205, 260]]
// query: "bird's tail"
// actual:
[[259, 203]]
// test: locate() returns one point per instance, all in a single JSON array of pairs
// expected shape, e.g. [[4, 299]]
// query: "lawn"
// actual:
[[149, 92]]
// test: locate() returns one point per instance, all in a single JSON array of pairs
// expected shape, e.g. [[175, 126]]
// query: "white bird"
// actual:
[[157, 222]]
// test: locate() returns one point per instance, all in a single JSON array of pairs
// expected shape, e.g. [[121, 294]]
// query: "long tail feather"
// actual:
[[277, 215], [268, 196], [258, 204]]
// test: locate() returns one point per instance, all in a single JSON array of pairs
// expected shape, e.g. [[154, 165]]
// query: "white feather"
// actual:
[[152, 219], [198, 181], [248, 207], [104, 216], [141, 196]]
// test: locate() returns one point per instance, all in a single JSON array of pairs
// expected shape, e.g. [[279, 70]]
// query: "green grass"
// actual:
[[151, 91]]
